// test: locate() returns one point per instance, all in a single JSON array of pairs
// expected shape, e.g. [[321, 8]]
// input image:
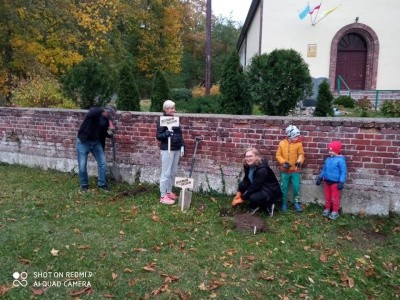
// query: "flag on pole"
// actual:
[[304, 12], [314, 9], [330, 11]]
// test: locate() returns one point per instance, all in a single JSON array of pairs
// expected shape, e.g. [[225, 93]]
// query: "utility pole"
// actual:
[[208, 47]]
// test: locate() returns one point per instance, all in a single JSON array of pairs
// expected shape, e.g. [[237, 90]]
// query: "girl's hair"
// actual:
[[168, 104], [256, 154]]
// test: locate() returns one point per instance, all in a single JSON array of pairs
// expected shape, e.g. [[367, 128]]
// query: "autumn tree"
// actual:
[[128, 93], [160, 91]]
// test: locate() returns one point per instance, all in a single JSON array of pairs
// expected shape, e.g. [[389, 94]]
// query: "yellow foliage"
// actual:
[[200, 91]]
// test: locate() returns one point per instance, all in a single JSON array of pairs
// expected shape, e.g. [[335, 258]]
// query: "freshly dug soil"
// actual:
[[134, 192], [247, 222]]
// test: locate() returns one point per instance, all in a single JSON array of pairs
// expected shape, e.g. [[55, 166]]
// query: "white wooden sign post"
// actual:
[[169, 122], [183, 183]]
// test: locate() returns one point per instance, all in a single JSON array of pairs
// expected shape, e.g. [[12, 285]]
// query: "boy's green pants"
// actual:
[[285, 179]]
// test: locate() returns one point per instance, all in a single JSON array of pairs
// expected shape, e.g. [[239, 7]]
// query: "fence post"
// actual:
[[376, 99]]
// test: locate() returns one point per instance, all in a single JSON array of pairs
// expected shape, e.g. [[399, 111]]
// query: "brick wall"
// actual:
[[46, 138]]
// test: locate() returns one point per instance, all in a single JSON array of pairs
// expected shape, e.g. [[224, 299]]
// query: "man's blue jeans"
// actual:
[[82, 151]]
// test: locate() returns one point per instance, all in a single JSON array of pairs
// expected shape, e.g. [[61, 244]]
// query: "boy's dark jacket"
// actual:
[[94, 127], [264, 179], [176, 139]]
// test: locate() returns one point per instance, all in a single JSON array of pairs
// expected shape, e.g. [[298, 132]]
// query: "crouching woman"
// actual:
[[259, 186]]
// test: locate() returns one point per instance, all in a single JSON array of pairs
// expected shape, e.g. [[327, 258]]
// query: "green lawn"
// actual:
[[139, 249]]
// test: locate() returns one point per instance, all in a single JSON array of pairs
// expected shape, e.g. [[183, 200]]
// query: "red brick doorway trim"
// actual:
[[372, 41]]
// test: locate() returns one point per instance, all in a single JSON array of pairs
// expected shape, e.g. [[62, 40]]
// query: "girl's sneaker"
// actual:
[[326, 213], [166, 200], [172, 196], [334, 215]]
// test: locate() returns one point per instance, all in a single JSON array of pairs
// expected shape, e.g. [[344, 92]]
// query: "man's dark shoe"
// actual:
[[104, 188], [84, 189]]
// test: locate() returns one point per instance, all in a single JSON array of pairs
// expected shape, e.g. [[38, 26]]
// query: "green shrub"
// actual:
[[345, 101], [324, 106], [235, 97], [278, 81], [88, 83], [364, 104], [181, 94], [41, 92], [128, 93], [391, 108], [200, 105], [160, 92]]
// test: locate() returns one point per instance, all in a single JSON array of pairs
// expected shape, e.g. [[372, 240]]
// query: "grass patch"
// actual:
[[145, 105], [139, 249]]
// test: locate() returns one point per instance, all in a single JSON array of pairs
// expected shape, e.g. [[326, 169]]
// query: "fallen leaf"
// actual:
[[134, 211], [213, 199], [25, 261], [38, 292], [311, 280], [4, 289], [160, 290], [230, 252], [122, 232], [323, 258], [351, 282], [202, 287], [127, 270], [77, 231], [250, 257], [114, 276], [369, 272], [306, 248], [149, 267], [170, 278], [86, 291], [54, 252], [215, 284], [155, 218], [182, 295], [266, 277], [140, 250], [83, 247], [132, 282], [213, 295]]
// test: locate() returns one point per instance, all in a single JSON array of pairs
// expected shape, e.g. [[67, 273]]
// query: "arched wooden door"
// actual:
[[352, 60]]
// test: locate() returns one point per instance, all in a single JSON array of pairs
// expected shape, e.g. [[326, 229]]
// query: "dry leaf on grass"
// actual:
[[4, 289], [160, 290], [127, 270], [169, 278], [149, 267], [182, 295], [155, 218], [323, 258], [108, 296], [84, 247], [114, 275], [132, 282], [202, 287], [121, 232], [140, 250], [86, 291], [77, 231], [346, 280], [54, 252], [25, 261]]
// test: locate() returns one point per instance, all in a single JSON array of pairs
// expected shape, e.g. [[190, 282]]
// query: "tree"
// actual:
[[128, 93], [160, 92], [279, 80], [324, 105], [234, 98], [88, 83]]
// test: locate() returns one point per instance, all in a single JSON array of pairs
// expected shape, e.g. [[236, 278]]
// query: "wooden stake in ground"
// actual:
[[169, 122], [184, 183]]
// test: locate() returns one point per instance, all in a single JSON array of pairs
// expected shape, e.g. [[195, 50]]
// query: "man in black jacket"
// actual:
[[92, 134], [260, 185]]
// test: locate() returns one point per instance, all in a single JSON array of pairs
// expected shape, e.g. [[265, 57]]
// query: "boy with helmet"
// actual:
[[290, 155]]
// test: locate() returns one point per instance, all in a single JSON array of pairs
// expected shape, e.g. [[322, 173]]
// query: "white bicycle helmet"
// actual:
[[292, 131]]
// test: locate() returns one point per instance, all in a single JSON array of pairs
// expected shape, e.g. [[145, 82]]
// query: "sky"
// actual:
[[238, 9]]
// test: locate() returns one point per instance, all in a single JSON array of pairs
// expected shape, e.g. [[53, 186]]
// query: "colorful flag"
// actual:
[[304, 13], [315, 8], [331, 10]]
